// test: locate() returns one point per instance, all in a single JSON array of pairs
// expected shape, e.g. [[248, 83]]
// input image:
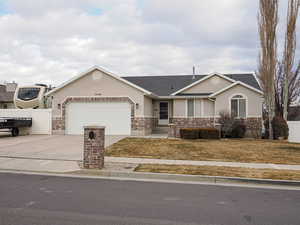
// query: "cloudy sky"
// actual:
[[49, 41]]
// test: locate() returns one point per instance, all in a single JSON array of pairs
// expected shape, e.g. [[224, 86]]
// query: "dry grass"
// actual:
[[221, 171], [237, 150]]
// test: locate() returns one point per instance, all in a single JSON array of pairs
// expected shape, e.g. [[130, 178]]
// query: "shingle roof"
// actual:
[[166, 85], [6, 96]]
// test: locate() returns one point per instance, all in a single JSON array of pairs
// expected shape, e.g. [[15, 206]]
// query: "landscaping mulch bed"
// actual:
[[227, 150], [221, 171]]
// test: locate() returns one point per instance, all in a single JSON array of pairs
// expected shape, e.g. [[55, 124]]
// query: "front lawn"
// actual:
[[228, 150], [221, 171]]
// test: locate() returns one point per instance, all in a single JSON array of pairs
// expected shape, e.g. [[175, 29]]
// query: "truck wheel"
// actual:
[[15, 132]]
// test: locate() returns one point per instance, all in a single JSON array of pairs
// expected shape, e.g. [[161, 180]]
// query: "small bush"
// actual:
[[238, 129], [195, 133], [209, 133], [189, 133], [280, 128], [226, 121]]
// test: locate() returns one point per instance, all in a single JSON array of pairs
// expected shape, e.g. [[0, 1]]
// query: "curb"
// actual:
[[163, 177], [197, 178]]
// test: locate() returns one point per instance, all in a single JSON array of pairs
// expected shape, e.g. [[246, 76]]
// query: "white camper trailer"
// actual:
[[31, 97]]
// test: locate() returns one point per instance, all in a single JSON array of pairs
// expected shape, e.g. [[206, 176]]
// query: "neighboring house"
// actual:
[[141, 105], [7, 92]]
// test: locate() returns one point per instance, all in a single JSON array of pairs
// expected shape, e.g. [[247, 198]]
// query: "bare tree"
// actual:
[[289, 53], [293, 88], [267, 22]]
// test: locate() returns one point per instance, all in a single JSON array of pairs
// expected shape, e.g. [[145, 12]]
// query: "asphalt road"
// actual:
[[46, 200]]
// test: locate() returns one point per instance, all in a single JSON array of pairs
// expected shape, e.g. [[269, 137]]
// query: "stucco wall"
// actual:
[[148, 107], [210, 85], [179, 107], [100, 84], [254, 101], [208, 108]]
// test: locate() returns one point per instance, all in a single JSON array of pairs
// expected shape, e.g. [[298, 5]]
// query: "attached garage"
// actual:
[[115, 116]]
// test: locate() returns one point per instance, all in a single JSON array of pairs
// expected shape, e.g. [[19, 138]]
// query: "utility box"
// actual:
[[93, 155]]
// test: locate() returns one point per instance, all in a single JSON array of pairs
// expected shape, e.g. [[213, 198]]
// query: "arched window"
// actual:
[[238, 106]]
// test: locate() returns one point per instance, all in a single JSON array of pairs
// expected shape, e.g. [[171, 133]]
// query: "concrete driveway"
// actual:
[[52, 153], [58, 147]]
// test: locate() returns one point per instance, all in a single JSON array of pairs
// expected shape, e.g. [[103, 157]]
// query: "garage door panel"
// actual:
[[114, 116]]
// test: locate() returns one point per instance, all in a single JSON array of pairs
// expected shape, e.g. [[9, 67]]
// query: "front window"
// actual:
[[238, 106], [27, 94], [190, 107]]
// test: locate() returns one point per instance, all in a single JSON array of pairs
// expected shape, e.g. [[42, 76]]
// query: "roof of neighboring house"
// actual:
[[6, 96], [166, 85]]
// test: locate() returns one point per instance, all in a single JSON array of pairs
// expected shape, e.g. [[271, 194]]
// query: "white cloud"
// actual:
[[50, 41]]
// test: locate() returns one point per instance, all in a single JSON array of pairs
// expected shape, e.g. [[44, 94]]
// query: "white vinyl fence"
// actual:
[[41, 118], [294, 131]]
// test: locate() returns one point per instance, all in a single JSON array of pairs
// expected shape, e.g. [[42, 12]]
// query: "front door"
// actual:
[[163, 113]]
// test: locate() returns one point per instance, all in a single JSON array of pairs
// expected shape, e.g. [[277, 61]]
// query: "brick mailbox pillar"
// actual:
[[93, 155]]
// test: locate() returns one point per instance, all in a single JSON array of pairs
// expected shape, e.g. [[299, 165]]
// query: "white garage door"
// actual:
[[115, 116]]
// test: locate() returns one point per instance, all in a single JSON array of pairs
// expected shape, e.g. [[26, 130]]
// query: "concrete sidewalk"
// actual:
[[119, 164], [201, 163]]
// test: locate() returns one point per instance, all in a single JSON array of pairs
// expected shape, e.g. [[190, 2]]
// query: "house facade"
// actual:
[[141, 105], [7, 92]]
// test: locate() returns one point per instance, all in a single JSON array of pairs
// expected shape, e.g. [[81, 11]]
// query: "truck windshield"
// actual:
[[27, 94]]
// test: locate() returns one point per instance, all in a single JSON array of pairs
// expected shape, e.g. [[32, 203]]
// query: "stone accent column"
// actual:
[[172, 130], [93, 155]]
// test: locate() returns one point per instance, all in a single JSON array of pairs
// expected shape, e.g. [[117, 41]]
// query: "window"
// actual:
[[238, 106], [27, 94], [190, 107]]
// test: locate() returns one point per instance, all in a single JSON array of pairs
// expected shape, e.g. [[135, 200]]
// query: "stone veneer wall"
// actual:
[[253, 125], [177, 123], [58, 126], [141, 126]]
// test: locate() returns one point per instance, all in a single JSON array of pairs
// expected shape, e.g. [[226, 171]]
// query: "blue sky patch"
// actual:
[[95, 11], [3, 8]]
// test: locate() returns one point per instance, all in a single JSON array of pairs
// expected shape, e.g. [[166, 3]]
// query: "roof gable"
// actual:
[[81, 75], [233, 85], [202, 80]]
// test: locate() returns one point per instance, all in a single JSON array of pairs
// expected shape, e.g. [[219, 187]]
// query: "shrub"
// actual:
[[195, 133], [209, 133], [226, 121], [189, 133], [280, 128], [238, 129]]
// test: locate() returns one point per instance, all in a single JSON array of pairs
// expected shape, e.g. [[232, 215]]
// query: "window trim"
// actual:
[[186, 108], [246, 102]]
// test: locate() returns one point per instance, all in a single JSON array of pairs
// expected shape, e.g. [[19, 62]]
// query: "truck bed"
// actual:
[[15, 122]]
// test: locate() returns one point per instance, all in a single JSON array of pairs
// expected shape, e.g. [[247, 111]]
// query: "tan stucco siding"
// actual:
[[100, 84], [211, 85], [254, 101], [197, 107], [208, 108], [148, 107], [179, 107]]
